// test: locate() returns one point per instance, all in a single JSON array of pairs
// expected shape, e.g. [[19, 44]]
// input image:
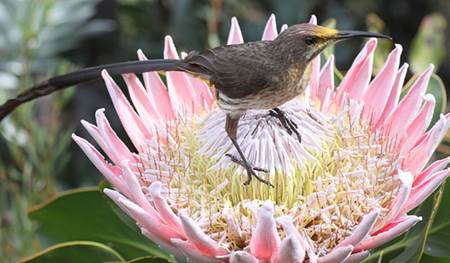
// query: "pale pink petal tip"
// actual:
[[242, 257], [141, 55], [170, 52], [336, 255], [291, 251], [270, 31], [199, 239], [265, 240], [235, 35], [313, 20], [283, 27], [362, 230]]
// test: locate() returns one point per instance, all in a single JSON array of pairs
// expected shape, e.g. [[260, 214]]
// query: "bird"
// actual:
[[259, 75]]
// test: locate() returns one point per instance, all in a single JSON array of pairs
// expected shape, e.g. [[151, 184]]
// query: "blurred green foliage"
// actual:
[[33, 34]]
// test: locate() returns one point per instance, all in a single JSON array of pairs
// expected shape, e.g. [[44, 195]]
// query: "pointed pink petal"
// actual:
[[113, 143], [422, 191], [204, 92], [265, 240], [137, 196], [336, 255], [418, 125], [133, 125], [140, 99], [409, 105], [315, 69], [270, 31], [182, 95], [377, 94], [163, 207], [95, 133], [418, 157], [326, 79], [358, 76], [394, 96], [201, 241], [111, 173], [242, 257], [357, 257], [398, 205], [389, 232], [235, 35], [161, 240], [434, 167], [192, 253], [361, 231], [145, 220], [290, 251], [157, 92]]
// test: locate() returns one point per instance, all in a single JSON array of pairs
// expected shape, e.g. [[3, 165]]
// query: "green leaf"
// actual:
[[437, 89], [430, 259], [438, 243], [429, 44], [148, 260], [87, 214], [76, 251]]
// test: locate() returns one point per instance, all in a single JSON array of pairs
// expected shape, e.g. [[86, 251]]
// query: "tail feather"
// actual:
[[87, 74]]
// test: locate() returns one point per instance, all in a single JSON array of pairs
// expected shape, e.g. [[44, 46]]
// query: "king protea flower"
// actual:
[[346, 188]]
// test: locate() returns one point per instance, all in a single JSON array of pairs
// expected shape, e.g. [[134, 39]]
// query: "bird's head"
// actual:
[[305, 41]]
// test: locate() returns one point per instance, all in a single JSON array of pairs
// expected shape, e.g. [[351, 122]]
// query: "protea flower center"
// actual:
[[340, 171]]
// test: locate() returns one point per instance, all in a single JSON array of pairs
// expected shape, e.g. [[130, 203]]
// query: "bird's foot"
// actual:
[[288, 124], [251, 170]]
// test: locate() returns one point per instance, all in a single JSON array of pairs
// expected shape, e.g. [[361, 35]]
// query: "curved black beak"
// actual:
[[341, 35]]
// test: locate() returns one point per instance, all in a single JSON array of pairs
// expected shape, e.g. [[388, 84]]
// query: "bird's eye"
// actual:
[[310, 40]]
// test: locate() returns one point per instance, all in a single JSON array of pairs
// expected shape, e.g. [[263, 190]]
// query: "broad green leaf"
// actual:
[[437, 89], [438, 243], [376, 24], [86, 214], [148, 260], [430, 259], [74, 252], [429, 44]]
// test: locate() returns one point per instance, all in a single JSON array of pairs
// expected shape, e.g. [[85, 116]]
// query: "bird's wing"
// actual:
[[235, 70]]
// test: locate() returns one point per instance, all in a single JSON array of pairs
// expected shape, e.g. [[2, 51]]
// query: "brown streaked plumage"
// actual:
[[253, 75]]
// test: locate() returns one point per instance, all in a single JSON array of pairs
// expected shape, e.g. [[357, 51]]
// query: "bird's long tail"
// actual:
[[87, 74]]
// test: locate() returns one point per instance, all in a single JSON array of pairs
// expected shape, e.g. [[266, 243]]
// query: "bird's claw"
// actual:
[[250, 170]]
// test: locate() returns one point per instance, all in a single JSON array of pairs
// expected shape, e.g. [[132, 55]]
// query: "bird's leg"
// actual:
[[231, 124], [287, 123]]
